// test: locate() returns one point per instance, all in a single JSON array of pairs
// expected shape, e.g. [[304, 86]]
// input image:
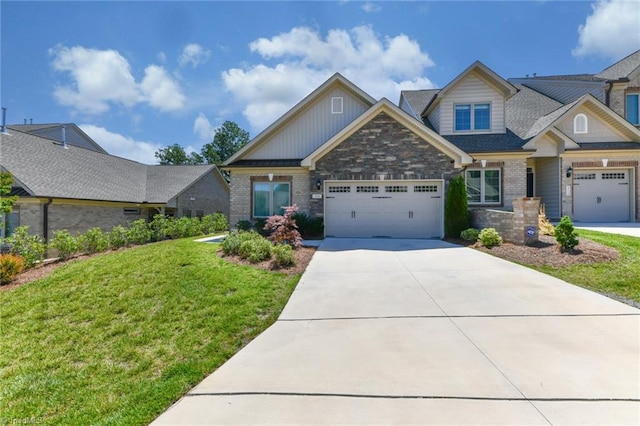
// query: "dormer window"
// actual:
[[580, 124], [472, 117]]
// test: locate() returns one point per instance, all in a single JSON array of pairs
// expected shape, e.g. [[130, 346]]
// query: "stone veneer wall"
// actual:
[[511, 225], [382, 147]]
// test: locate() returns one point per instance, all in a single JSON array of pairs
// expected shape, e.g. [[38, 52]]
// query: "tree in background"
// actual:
[[456, 211], [6, 202], [227, 140], [175, 155]]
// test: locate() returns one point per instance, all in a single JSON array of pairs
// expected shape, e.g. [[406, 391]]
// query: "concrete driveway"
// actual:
[[425, 332]]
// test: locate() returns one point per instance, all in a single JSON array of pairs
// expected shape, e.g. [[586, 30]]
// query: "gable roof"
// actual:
[[73, 134], [548, 122], [417, 100], [46, 169], [485, 73], [624, 68], [336, 80], [384, 105]]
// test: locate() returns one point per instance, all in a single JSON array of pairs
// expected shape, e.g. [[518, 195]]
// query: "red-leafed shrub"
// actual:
[[283, 229]]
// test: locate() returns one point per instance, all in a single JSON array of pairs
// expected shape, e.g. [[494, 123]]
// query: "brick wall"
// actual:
[[79, 218], [208, 195], [511, 225]]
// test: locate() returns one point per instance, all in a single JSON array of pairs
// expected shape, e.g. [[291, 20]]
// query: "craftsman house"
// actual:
[[372, 168]]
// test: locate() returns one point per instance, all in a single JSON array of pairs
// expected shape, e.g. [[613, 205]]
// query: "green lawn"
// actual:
[[117, 338], [621, 277]]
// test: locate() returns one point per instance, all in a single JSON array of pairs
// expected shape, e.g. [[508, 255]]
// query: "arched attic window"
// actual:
[[580, 124]]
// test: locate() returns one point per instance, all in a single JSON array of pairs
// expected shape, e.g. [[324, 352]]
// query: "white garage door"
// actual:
[[601, 195], [397, 209]]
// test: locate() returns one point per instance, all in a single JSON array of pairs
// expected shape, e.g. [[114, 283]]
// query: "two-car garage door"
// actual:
[[397, 209]]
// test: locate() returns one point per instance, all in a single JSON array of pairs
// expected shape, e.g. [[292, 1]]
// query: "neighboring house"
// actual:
[[375, 169], [67, 132], [68, 187]]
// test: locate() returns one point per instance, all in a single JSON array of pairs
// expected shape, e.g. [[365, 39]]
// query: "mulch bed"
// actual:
[[547, 252], [302, 255]]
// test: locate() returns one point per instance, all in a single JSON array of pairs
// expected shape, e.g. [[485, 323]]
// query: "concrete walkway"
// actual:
[[425, 332], [631, 229]]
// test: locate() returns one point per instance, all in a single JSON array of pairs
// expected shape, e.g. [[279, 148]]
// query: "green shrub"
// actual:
[[470, 234], [118, 237], [10, 266], [309, 227], [244, 225], [489, 237], [231, 244], [255, 250], [162, 227], [93, 241], [65, 244], [31, 248], [566, 235], [259, 227], [283, 255], [139, 232], [216, 222], [456, 211]]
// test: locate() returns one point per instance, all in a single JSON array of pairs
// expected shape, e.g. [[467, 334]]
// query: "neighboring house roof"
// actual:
[[73, 134], [384, 105], [297, 110], [44, 168], [625, 68]]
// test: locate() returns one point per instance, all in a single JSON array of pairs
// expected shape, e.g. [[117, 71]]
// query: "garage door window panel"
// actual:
[[270, 198], [484, 186]]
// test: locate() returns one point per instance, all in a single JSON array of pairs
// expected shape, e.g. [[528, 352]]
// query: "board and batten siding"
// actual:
[[311, 129], [598, 131], [547, 183], [471, 90]]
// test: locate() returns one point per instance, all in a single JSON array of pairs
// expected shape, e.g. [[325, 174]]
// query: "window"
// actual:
[[483, 186], [633, 110], [131, 211], [270, 198], [336, 105], [472, 117], [580, 124], [8, 223], [186, 213]]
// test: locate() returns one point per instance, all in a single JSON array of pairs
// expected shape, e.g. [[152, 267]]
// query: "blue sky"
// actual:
[[138, 76]]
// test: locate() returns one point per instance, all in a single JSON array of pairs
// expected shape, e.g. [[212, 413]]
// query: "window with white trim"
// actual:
[[632, 110], [472, 117], [580, 124], [484, 186], [270, 198]]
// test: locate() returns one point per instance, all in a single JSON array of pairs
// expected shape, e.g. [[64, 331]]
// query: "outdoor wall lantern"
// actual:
[[318, 184], [270, 177], [605, 161], [569, 171], [484, 163]]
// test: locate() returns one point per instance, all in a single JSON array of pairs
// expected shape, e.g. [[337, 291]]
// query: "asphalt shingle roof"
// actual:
[[525, 108], [419, 99], [508, 141], [47, 169], [622, 68]]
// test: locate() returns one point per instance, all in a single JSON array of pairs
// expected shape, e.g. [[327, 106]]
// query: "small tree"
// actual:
[[566, 235], [6, 201], [456, 211], [283, 229]]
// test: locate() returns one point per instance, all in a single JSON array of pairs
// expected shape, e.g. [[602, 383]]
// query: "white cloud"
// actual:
[[160, 90], [612, 30], [381, 66], [203, 128], [102, 78], [194, 54], [370, 7], [99, 77], [123, 146]]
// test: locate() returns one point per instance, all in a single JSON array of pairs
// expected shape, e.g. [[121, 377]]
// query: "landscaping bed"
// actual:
[[302, 256]]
